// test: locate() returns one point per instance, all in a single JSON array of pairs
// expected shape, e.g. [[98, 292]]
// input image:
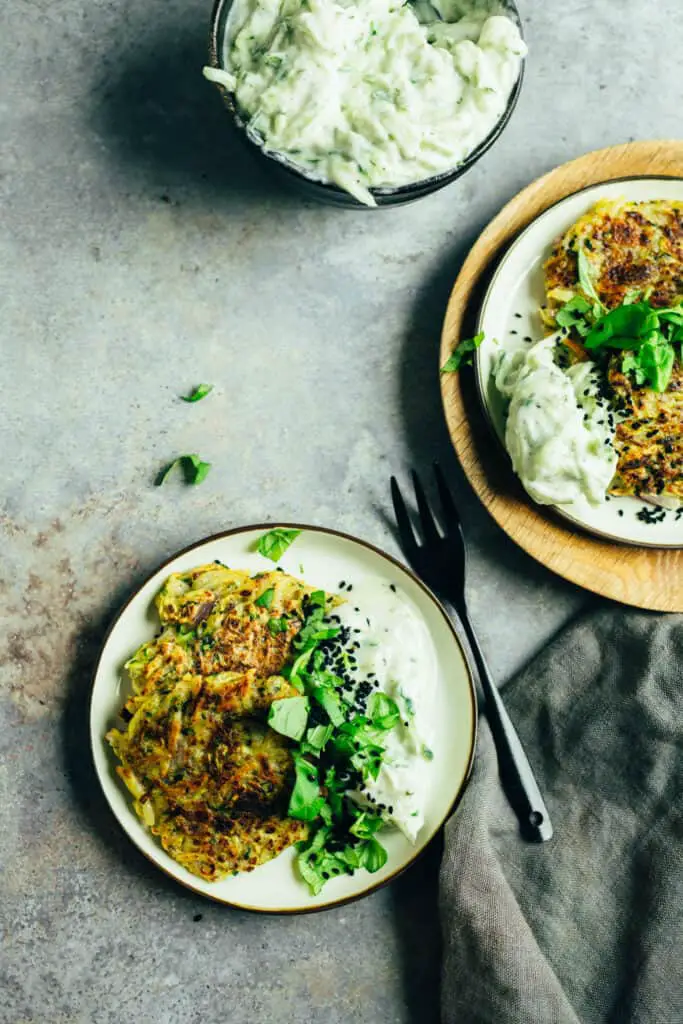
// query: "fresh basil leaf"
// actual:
[[326, 634], [266, 598], [373, 855], [383, 711], [201, 391], [306, 799], [278, 625], [586, 280], [289, 716], [194, 469], [462, 353], [297, 668], [331, 702], [307, 860], [427, 753], [351, 856], [673, 315], [365, 825], [630, 364], [335, 791], [274, 543], [326, 813], [623, 327], [573, 312], [656, 360], [318, 736]]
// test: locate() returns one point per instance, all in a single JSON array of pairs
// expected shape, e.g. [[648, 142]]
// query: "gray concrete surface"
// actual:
[[142, 252]]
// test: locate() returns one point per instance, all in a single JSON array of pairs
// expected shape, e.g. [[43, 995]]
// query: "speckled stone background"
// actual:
[[141, 252]]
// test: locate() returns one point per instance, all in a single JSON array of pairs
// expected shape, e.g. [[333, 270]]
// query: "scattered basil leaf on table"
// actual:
[[201, 391], [274, 543], [194, 469]]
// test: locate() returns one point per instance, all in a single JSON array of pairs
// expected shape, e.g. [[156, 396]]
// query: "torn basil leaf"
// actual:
[[201, 391], [274, 543], [462, 353], [289, 716], [194, 469]]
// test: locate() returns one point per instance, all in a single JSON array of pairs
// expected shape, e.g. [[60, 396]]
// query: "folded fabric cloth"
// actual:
[[588, 927]]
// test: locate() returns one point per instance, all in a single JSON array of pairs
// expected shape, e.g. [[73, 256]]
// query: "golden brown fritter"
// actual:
[[649, 442], [632, 248], [213, 624], [213, 788], [634, 251], [208, 778]]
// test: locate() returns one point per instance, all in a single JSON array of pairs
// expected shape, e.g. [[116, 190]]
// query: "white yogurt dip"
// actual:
[[370, 93], [395, 651], [559, 430]]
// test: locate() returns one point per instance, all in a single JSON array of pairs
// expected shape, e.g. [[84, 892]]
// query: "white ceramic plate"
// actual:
[[323, 558], [509, 314]]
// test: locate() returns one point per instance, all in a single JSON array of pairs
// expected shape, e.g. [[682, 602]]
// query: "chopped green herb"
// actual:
[[318, 737], [289, 716], [587, 279], [306, 799], [278, 625], [331, 702], [274, 543], [645, 334], [266, 598], [366, 825], [383, 711], [462, 353], [201, 391], [573, 315], [630, 364], [374, 856], [194, 469]]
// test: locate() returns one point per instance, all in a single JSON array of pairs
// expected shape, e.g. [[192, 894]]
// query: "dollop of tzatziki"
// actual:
[[559, 429], [395, 651], [370, 93]]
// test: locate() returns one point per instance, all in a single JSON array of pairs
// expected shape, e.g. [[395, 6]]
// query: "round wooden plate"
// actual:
[[646, 577]]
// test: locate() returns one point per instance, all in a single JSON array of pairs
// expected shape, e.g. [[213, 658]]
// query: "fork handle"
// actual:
[[516, 773]]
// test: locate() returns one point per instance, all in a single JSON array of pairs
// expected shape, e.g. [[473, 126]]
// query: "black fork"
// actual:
[[440, 560]]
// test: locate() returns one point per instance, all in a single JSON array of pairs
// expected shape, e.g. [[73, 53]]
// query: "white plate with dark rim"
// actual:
[[509, 316], [322, 558]]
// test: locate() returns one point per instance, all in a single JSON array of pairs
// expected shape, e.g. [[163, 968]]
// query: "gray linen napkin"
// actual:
[[588, 927]]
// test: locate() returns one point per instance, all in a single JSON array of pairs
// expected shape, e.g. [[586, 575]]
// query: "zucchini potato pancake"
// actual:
[[633, 249], [209, 778]]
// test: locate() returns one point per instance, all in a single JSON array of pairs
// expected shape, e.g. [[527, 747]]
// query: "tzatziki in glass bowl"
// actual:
[[372, 102]]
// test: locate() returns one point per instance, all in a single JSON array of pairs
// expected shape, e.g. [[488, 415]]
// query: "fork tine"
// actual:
[[405, 530], [429, 528], [450, 511]]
